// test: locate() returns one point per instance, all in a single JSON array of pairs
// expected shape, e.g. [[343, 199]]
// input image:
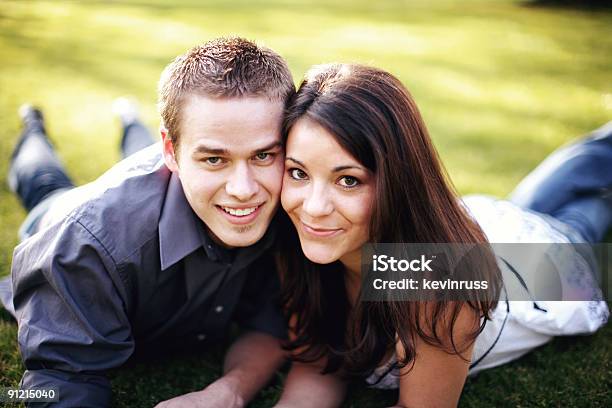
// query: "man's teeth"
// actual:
[[239, 212]]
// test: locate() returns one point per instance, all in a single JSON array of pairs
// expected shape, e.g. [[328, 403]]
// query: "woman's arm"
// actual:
[[438, 374], [307, 387]]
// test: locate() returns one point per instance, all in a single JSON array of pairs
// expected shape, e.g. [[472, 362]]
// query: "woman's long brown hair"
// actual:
[[373, 117]]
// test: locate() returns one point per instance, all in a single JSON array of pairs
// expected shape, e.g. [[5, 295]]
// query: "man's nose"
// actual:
[[318, 203], [242, 183]]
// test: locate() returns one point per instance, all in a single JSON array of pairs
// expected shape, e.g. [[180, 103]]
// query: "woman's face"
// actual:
[[328, 195]]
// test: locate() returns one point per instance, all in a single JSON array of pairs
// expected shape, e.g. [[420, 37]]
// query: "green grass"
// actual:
[[500, 84]]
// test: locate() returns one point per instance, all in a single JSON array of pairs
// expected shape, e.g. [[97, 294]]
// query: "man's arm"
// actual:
[[72, 321], [72, 389], [249, 365]]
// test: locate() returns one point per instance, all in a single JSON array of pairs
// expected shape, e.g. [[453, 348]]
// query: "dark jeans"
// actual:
[[574, 185], [36, 172]]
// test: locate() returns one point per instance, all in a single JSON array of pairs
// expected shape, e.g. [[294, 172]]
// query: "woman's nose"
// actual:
[[318, 203]]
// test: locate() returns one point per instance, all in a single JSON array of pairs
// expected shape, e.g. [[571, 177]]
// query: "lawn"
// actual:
[[500, 84]]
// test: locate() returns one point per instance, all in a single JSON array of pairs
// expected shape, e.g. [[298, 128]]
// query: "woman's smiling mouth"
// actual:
[[319, 231]]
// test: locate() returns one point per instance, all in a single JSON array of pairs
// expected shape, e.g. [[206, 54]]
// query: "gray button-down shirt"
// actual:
[[130, 266]]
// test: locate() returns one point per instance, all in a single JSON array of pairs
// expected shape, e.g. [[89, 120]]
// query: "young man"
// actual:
[[166, 248]]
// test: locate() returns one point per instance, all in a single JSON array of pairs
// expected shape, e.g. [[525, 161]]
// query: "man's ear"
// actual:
[[168, 150]]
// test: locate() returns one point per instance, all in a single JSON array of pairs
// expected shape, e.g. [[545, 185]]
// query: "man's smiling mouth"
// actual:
[[240, 212]]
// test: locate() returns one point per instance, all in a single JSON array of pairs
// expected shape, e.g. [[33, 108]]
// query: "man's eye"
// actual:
[[213, 160], [263, 156], [297, 174], [348, 181]]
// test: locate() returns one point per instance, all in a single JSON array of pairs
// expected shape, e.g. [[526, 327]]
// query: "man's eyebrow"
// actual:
[[203, 149], [270, 146], [334, 170], [210, 150]]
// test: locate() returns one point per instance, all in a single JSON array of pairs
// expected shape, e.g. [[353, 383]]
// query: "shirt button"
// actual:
[[219, 309], [201, 337]]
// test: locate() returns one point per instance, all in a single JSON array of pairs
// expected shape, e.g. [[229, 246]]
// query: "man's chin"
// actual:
[[241, 242], [231, 235], [239, 237]]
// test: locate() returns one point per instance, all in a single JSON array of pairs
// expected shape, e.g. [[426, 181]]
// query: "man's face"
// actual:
[[230, 163]]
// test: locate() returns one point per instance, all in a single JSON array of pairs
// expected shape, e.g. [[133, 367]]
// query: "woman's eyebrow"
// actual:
[[295, 161], [334, 170], [341, 168]]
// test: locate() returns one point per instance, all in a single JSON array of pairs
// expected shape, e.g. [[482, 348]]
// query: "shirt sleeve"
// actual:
[[259, 306], [73, 323]]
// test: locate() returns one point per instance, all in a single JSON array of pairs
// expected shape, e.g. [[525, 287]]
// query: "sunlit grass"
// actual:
[[500, 85]]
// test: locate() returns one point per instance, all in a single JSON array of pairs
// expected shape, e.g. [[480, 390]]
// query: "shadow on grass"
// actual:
[[6, 316], [149, 378], [584, 5]]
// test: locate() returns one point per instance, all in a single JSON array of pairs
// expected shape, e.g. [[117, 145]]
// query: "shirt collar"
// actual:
[[180, 230]]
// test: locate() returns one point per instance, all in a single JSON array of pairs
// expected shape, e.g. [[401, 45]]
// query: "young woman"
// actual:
[[360, 167]]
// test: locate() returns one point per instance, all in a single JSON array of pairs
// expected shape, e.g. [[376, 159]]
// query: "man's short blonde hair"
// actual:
[[221, 68]]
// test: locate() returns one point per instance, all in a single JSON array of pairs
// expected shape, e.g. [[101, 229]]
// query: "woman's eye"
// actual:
[[297, 174], [348, 181]]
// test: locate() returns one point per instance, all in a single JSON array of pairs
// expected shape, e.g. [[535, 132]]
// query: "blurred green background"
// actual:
[[500, 84]]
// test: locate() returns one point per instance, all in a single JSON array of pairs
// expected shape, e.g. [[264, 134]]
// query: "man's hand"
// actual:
[[249, 364], [220, 394]]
